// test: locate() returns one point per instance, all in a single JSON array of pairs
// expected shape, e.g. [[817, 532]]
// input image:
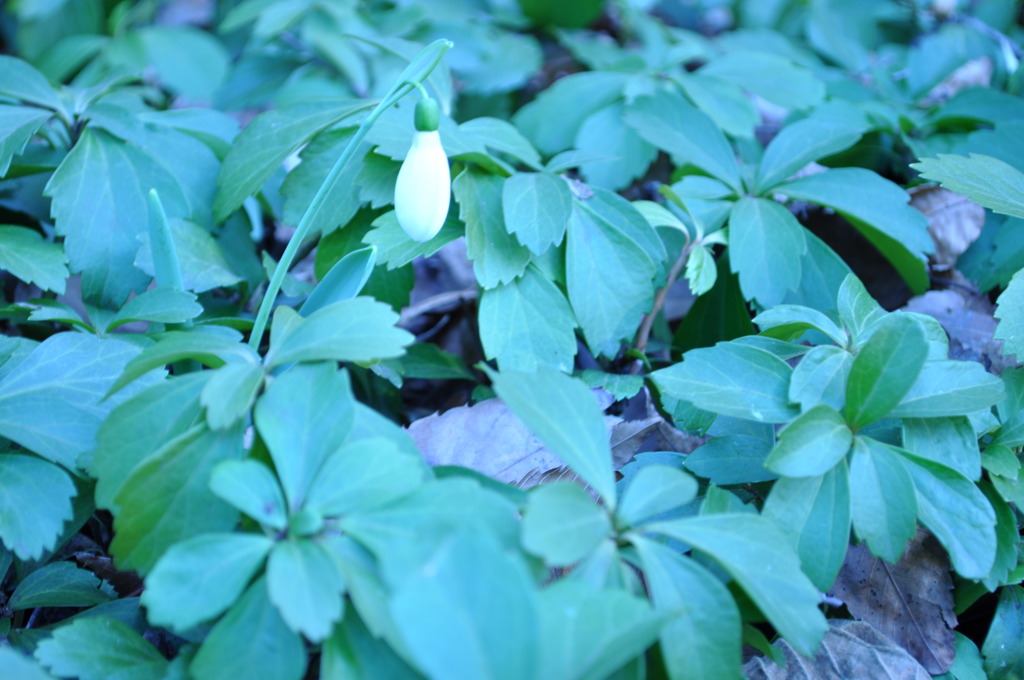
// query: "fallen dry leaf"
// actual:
[[490, 439], [850, 649], [954, 222], [967, 319], [911, 602], [976, 72]]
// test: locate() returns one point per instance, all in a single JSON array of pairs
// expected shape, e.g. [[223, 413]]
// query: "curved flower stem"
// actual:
[[406, 83]]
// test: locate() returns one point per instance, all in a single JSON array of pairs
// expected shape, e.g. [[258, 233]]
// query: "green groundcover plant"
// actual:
[[213, 217]]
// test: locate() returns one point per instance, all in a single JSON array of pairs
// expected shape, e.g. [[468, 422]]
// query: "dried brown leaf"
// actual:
[[954, 222], [974, 73], [850, 649], [490, 439], [487, 437], [967, 319], [911, 602]]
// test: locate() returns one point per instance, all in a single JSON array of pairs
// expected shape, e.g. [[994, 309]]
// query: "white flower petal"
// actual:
[[424, 188]]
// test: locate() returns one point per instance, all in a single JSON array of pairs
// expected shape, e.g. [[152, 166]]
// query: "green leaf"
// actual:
[[343, 282], [800, 143], [405, 533], [655, 489], [812, 444], [139, 427], [573, 158], [21, 666], [306, 587], [492, 60], [527, 323], [702, 639], [999, 459], [252, 641], [358, 329], [163, 305], [100, 207], [100, 648], [603, 132], [615, 212], [496, 254], [210, 348], [720, 314], [188, 61], [396, 249], [563, 524], [363, 475], [770, 76], [884, 504], [470, 577], [947, 441], [820, 377], [230, 393], [553, 119], [588, 634], [857, 309], [757, 555], [957, 513], [267, 141], [967, 664], [563, 413], [20, 80], [822, 273], [1007, 539], [1010, 312], [878, 209], [619, 385], [25, 254], [732, 379], [352, 652], [202, 259], [18, 125], [302, 183], [884, 370], [700, 272], [950, 388], [166, 264], [52, 402], [733, 458], [200, 577], [250, 486], [814, 514], [609, 280], [669, 122], [1004, 644], [988, 181], [31, 483], [59, 584], [160, 497], [304, 416], [762, 235], [536, 207], [502, 136], [788, 322], [724, 102]]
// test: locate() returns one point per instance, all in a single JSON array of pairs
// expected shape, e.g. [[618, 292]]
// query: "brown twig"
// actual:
[[441, 302], [644, 334]]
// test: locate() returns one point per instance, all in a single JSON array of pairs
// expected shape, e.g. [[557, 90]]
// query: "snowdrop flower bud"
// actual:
[[424, 186]]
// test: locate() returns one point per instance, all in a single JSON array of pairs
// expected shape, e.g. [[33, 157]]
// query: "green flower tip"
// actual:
[[427, 116]]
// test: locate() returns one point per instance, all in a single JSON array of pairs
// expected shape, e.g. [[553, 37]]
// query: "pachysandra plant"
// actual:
[[424, 186]]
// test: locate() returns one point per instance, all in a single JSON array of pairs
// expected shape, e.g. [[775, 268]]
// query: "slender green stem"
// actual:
[[404, 86]]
